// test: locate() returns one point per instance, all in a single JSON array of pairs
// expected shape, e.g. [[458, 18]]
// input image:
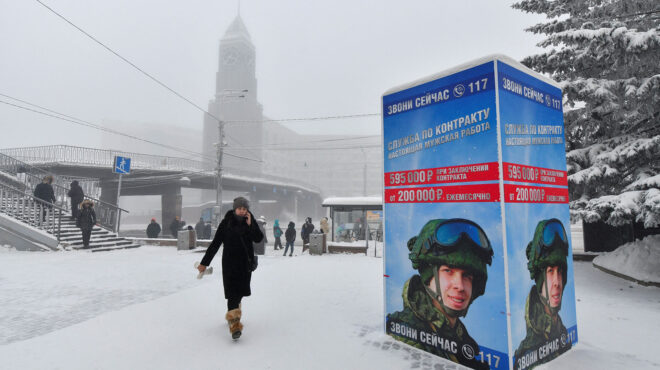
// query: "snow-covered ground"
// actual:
[[639, 260], [143, 308]]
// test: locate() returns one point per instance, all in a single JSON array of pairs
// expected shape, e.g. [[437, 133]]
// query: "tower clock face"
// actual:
[[230, 56]]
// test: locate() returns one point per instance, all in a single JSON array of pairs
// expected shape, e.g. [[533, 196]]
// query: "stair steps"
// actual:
[[71, 235]]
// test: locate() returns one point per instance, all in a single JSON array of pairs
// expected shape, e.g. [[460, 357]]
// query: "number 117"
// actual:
[[478, 85]]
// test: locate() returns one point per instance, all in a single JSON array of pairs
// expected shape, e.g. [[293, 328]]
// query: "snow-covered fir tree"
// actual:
[[606, 55]]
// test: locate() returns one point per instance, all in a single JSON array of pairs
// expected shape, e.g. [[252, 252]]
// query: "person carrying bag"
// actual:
[[236, 232]]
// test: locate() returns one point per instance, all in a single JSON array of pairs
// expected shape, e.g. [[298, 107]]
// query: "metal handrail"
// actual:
[[103, 157], [29, 209], [25, 174]]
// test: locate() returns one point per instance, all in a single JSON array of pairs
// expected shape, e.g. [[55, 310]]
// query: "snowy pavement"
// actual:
[[143, 308]]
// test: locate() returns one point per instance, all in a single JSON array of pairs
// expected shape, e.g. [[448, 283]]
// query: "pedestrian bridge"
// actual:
[[73, 161], [164, 176]]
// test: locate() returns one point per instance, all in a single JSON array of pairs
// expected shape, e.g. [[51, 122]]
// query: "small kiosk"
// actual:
[[355, 218], [476, 198]]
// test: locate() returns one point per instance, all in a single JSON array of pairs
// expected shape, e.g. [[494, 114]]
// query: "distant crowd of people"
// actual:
[[203, 230], [83, 213]]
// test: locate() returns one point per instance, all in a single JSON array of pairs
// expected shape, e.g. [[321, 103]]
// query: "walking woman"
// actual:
[[86, 221], [237, 232]]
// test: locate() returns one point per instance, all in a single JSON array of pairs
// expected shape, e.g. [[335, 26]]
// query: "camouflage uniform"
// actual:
[[541, 329], [420, 315], [543, 322]]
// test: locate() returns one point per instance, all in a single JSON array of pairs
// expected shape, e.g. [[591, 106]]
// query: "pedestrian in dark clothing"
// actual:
[[290, 237], [237, 232], [260, 247], [207, 231], [77, 195], [192, 237], [358, 230], [175, 226], [153, 229], [305, 231], [277, 233], [199, 228], [86, 221], [45, 192]]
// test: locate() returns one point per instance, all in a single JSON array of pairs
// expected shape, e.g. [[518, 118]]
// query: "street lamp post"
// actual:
[[364, 173], [227, 95], [218, 171]]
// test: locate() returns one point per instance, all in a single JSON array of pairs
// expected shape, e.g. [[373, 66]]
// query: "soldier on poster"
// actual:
[[451, 256], [547, 336]]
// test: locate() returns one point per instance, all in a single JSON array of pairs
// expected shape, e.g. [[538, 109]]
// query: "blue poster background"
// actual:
[[479, 148], [522, 218], [486, 319]]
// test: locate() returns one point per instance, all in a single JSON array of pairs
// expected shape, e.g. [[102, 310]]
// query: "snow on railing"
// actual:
[[31, 210], [99, 157], [66, 154], [30, 176]]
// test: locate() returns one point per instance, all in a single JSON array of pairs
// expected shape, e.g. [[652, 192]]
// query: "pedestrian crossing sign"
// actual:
[[122, 165]]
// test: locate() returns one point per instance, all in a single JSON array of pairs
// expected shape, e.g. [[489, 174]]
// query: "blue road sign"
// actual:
[[122, 165]]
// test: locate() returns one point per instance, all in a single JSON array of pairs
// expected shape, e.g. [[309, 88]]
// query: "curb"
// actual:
[[626, 277], [584, 256]]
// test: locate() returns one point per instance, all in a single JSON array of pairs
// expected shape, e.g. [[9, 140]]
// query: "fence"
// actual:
[[23, 178], [30, 210]]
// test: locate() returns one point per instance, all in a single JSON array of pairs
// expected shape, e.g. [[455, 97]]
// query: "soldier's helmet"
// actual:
[[549, 247], [456, 243]]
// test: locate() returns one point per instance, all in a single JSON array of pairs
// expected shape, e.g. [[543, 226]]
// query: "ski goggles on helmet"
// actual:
[[553, 234], [449, 234]]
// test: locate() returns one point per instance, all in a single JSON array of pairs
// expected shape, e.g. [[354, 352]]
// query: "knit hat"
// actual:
[[241, 202]]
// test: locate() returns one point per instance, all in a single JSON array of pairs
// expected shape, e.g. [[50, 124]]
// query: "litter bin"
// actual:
[[317, 243], [186, 239]]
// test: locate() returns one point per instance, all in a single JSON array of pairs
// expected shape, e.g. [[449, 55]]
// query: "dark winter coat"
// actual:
[[87, 217], [199, 229], [153, 230], [207, 231], [237, 255], [45, 192], [76, 194], [260, 247], [290, 233], [175, 226], [306, 230]]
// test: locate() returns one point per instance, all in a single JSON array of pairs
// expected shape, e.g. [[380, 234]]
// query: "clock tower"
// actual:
[[236, 100]]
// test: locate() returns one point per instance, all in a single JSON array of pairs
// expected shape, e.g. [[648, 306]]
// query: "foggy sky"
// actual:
[[313, 58]]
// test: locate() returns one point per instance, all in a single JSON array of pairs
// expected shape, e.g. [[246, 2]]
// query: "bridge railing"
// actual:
[[24, 177], [100, 157], [268, 177], [33, 211], [103, 158]]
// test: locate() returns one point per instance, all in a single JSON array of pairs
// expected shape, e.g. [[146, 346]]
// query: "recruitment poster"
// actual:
[[542, 294], [446, 267]]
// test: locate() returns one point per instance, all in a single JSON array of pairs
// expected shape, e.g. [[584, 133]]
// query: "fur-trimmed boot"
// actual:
[[234, 320]]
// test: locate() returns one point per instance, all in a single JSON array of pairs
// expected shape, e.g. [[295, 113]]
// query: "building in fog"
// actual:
[[338, 165], [235, 100]]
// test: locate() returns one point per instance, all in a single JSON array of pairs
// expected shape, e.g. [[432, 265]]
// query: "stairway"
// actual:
[[24, 210], [101, 240], [21, 214]]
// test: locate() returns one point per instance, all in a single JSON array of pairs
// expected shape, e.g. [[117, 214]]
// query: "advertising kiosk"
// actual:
[[478, 263]]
